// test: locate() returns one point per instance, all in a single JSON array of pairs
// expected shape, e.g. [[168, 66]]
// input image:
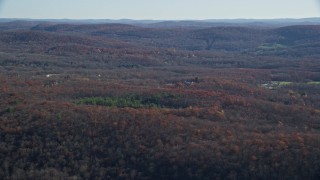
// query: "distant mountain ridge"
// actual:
[[295, 40], [181, 23]]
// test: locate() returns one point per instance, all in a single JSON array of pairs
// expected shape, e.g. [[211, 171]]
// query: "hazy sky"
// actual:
[[159, 9]]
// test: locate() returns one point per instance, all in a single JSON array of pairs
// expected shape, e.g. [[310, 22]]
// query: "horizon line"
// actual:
[[122, 19]]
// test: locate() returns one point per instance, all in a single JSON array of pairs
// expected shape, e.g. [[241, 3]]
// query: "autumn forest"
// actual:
[[151, 101]]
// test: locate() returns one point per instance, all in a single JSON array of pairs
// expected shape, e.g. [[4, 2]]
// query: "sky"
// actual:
[[159, 9]]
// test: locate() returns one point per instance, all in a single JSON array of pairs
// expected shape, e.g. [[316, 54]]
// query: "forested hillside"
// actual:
[[116, 101]]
